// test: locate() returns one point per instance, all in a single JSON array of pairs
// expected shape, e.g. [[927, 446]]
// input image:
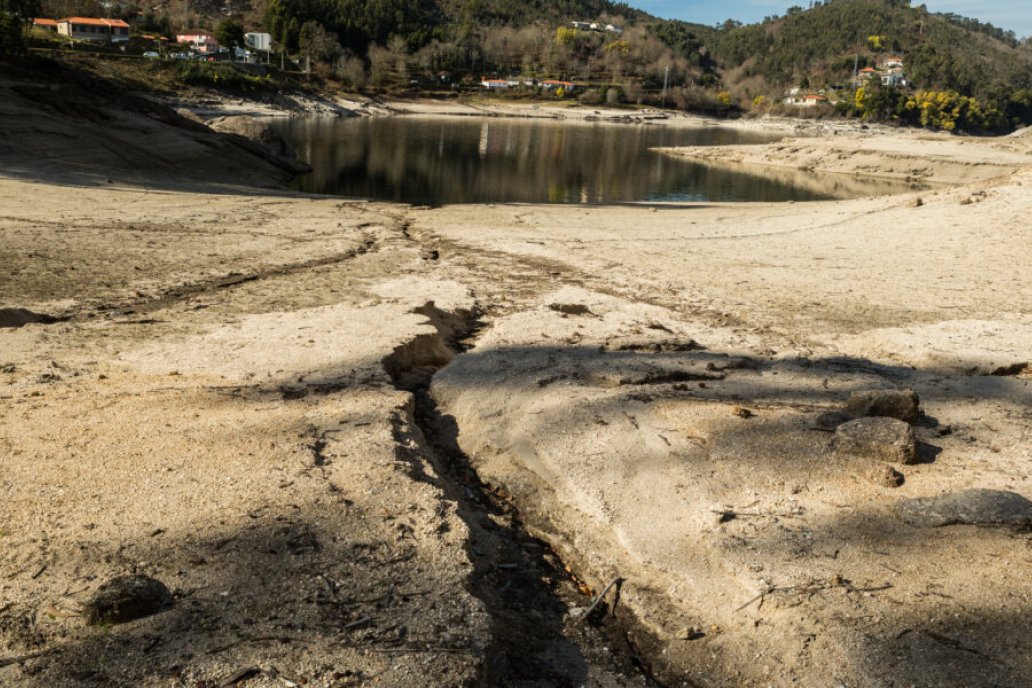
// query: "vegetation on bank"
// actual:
[[14, 15], [961, 74]]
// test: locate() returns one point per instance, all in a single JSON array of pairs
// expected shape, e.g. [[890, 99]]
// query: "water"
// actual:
[[438, 161]]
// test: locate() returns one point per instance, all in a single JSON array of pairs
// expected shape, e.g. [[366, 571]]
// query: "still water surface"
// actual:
[[438, 161]]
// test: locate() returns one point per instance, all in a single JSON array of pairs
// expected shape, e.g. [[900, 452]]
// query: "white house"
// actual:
[[805, 100], [258, 41], [88, 29], [494, 84]]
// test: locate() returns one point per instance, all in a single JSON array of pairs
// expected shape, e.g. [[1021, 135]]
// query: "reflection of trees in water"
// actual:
[[436, 161]]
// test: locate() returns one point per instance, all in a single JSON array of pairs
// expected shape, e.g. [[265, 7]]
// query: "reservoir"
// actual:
[[440, 161]]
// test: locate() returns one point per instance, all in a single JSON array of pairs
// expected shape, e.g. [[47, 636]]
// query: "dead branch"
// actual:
[[598, 600]]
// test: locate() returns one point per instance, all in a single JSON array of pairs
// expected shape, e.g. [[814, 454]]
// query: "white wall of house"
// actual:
[[81, 31]]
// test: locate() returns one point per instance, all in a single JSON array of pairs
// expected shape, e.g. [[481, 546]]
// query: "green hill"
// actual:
[[823, 44], [630, 56]]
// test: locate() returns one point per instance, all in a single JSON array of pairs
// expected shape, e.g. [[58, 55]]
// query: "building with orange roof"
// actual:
[[90, 29], [202, 41], [47, 24]]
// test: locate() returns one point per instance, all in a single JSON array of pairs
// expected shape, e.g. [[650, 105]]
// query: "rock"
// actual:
[[978, 507], [256, 130], [884, 439], [18, 317], [126, 598], [570, 308], [901, 404], [742, 412], [883, 475], [689, 633], [831, 420], [263, 140]]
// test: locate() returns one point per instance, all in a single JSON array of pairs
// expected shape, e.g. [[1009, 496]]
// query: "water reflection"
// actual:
[[441, 161]]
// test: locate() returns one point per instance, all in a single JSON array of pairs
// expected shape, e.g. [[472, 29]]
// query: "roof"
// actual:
[[45, 22], [117, 23], [554, 82]]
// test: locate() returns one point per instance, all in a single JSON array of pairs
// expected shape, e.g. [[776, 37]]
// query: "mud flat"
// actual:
[[365, 444], [904, 156]]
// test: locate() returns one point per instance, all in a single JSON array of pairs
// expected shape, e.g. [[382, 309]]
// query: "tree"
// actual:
[[230, 33], [351, 72], [380, 60], [398, 49], [14, 16], [316, 42]]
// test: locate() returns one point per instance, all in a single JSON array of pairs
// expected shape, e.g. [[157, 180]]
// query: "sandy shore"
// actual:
[[909, 156], [366, 444]]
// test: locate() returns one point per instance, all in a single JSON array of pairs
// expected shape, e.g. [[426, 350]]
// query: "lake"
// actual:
[[439, 161]]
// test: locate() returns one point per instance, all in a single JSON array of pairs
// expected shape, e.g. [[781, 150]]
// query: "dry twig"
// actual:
[[598, 600]]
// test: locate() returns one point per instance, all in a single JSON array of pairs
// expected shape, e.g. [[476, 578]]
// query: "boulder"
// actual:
[[978, 507], [883, 475], [901, 404], [19, 317], [127, 598], [883, 439], [262, 139]]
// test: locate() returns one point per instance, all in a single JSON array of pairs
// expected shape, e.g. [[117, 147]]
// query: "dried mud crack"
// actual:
[[534, 599]]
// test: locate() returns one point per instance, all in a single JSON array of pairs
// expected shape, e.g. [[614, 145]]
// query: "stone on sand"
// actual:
[[884, 439], [978, 507], [126, 598], [901, 404]]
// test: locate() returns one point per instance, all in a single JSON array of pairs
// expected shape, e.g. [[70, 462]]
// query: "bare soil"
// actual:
[[369, 444]]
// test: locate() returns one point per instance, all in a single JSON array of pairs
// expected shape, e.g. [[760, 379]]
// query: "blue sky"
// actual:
[[1015, 15]]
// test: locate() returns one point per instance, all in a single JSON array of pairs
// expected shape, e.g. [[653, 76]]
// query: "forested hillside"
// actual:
[[956, 72], [392, 42], [823, 44]]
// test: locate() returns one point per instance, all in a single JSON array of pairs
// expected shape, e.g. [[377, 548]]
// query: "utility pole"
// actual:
[[666, 80]]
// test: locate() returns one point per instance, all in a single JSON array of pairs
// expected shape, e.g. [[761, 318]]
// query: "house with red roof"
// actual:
[[89, 29], [45, 24], [556, 84], [202, 41]]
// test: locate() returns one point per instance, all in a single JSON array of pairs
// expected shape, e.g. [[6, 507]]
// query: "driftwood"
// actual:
[[598, 600]]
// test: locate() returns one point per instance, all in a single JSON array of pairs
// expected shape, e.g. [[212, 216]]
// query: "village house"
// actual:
[[494, 84], [45, 24], [605, 28], [581, 26], [258, 41], [889, 72], [804, 99], [893, 79], [202, 41], [556, 84], [88, 29]]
